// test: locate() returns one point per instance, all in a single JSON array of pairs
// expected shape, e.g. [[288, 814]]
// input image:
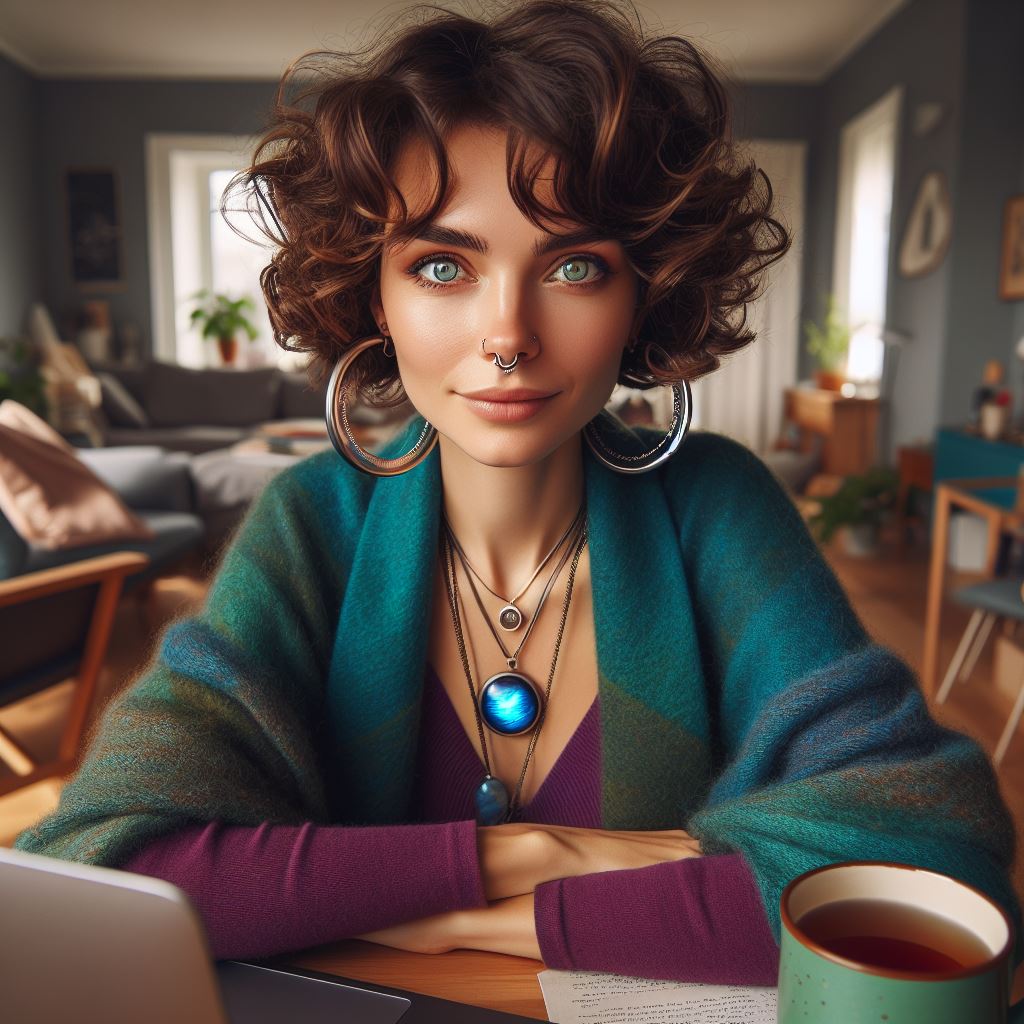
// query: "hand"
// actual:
[[585, 851], [516, 858], [505, 926], [437, 934]]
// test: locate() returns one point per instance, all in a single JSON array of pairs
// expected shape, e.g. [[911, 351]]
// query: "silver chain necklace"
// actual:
[[511, 618]]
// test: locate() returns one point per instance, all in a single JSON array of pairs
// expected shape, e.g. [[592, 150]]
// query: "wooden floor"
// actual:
[[887, 591]]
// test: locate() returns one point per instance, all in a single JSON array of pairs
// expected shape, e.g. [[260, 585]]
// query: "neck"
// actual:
[[508, 519]]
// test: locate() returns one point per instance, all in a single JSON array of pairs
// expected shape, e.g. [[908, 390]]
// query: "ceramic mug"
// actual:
[[844, 959]]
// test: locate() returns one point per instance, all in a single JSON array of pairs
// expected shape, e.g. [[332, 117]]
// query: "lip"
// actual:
[[507, 395], [510, 407]]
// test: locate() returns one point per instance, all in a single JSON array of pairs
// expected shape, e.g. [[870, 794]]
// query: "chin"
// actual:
[[505, 448]]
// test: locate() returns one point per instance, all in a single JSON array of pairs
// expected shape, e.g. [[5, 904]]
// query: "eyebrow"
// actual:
[[467, 240]]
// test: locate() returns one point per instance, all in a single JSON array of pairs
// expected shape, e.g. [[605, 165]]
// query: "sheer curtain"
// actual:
[[744, 397]]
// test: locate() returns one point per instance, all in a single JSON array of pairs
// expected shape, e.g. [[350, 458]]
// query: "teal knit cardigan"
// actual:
[[740, 697]]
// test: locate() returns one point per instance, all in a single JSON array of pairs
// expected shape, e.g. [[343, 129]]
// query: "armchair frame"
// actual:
[[109, 571]]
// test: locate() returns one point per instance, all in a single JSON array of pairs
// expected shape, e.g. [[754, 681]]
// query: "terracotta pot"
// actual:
[[829, 380], [228, 350]]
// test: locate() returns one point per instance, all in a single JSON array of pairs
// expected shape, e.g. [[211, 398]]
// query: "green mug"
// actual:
[[884, 943]]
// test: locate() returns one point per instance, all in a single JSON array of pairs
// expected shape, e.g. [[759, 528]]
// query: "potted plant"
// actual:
[[21, 377], [828, 344], [858, 508], [222, 317]]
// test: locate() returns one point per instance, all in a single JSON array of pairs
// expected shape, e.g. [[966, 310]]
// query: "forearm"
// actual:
[[515, 859], [506, 926], [274, 888]]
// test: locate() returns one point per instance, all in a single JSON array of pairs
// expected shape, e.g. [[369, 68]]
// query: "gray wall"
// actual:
[[981, 326], [20, 244], [920, 47], [103, 124]]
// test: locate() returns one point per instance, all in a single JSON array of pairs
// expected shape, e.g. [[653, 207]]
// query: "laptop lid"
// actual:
[[98, 946]]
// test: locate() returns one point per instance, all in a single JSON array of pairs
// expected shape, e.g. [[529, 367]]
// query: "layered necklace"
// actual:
[[510, 618], [509, 703]]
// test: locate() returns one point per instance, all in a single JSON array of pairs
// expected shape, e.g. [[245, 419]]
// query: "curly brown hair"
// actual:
[[639, 130]]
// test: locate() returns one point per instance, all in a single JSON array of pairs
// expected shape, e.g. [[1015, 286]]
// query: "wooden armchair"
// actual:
[[55, 625]]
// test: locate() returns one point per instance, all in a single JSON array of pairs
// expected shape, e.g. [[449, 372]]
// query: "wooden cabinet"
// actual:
[[849, 427]]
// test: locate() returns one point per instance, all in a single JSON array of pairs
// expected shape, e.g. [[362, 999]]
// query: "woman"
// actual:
[[531, 682]]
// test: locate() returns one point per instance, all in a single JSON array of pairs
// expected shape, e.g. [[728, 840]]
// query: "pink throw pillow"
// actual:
[[52, 498]]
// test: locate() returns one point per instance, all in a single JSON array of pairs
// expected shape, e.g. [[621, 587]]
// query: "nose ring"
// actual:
[[503, 366]]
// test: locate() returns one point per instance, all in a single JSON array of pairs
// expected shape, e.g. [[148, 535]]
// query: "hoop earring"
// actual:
[[339, 429], [621, 462]]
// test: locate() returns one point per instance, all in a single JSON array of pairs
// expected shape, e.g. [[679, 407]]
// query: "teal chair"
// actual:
[[990, 601]]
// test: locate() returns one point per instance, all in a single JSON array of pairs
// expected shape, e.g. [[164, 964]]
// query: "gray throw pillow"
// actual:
[[177, 396], [119, 406]]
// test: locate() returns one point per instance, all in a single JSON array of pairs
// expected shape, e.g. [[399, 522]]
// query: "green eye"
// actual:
[[444, 270], [575, 270]]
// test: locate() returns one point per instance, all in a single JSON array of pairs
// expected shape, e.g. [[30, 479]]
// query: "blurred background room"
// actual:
[[886, 390]]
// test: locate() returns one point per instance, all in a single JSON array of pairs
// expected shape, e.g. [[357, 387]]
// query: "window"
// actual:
[[192, 248], [867, 151]]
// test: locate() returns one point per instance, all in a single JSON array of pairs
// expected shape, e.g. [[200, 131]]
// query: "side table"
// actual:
[[848, 425]]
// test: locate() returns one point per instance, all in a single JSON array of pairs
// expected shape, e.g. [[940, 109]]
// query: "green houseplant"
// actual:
[[222, 317], [828, 344], [21, 377], [858, 507]]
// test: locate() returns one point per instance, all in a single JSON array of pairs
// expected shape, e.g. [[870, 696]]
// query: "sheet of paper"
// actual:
[[583, 997]]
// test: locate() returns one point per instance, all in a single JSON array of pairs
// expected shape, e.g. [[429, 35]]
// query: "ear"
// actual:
[[377, 307]]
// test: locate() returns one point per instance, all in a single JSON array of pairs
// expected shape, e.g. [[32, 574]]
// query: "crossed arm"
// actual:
[[503, 926], [514, 860]]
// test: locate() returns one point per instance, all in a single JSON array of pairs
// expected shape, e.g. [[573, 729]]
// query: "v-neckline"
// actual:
[[437, 682]]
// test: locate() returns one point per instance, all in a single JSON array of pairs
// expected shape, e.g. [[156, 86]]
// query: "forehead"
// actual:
[[477, 170]]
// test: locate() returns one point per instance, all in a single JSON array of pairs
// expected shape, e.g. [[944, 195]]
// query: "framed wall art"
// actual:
[[94, 229], [1011, 271]]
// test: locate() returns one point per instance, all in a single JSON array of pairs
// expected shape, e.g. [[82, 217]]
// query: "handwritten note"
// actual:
[[583, 997]]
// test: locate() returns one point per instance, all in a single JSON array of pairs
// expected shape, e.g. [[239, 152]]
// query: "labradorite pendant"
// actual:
[[510, 704], [491, 799]]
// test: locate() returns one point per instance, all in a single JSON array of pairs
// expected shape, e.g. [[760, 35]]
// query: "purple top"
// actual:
[[269, 889]]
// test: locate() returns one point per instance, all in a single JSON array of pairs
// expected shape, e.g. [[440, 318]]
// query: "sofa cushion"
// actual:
[[119, 405], [177, 396], [178, 439], [49, 496], [299, 399], [171, 535]]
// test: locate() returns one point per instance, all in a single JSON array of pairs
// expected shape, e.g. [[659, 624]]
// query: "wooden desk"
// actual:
[[993, 498], [490, 980], [848, 425]]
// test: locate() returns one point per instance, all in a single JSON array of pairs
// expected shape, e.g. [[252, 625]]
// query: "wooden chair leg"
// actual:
[[978, 646], [1011, 726], [961, 653]]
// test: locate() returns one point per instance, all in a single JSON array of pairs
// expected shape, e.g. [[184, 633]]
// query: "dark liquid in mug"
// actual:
[[893, 936]]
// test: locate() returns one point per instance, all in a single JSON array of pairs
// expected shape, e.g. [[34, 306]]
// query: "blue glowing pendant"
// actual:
[[510, 704]]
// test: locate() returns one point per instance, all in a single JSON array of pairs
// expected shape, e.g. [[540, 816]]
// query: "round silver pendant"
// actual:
[[510, 618]]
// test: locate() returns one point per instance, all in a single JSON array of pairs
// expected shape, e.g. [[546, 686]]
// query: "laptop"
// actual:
[[98, 946]]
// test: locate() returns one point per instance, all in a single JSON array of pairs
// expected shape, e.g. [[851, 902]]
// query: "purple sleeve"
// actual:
[[699, 919], [268, 889]]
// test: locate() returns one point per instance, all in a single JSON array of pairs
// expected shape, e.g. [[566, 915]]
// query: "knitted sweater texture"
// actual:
[[740, 696]]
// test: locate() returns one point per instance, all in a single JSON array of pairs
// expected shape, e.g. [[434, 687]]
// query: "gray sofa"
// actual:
[[155, 484], [199, 410]]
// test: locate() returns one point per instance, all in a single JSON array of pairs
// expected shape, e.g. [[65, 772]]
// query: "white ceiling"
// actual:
[[758, 40]]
